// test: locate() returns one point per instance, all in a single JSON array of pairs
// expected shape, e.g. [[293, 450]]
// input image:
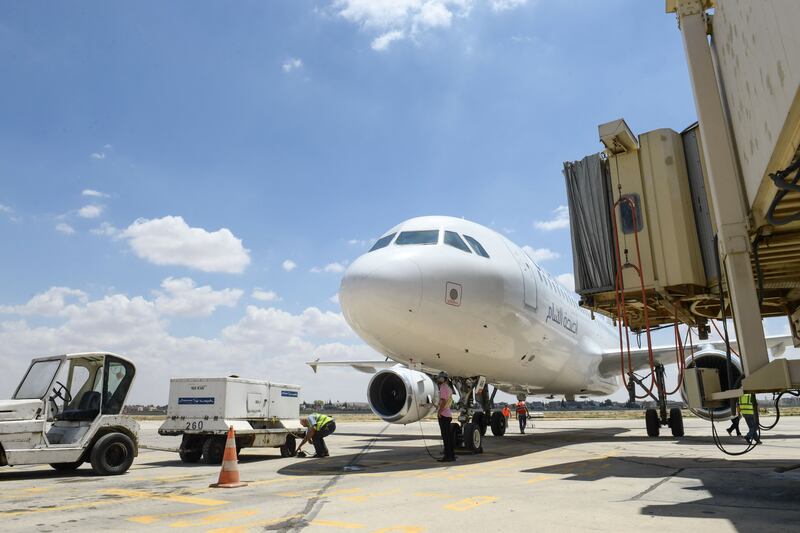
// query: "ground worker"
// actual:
[[506, 413], [735, 423], [445, 416], [319, 426], [747, 408], [522, 415]]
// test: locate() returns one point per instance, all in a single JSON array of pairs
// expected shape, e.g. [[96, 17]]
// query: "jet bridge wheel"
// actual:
[[499, 424], [676, 421], [652, 422]]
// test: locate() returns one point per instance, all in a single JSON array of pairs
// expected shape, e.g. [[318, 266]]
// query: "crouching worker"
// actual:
[[319, 426]]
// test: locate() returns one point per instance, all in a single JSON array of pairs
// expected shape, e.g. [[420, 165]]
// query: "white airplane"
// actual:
[[442, 293]]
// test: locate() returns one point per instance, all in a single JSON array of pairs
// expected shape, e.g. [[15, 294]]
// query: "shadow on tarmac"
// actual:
[[748, 493]]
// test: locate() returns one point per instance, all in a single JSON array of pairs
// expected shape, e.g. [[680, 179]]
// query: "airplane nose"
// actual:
[[380, 297]]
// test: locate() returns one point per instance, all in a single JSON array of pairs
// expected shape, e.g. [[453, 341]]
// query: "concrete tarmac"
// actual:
[[563, 475]]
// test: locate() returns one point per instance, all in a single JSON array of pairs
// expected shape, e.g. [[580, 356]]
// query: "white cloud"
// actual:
[[171, 241], [540, 254], [265, 296], [395, 20], [293, 63], [97, 155], [105, 229], [90, 211], [567, 280], [505, 5], [182, 297], [9, 212], [560, 220], [94, 193], [263, 343], [288, 265], [330, 268], [334, 299], [52, 302], [383, 41], [65, 228]]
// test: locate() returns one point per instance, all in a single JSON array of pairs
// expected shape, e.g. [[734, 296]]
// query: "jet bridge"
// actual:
[[704, 224]]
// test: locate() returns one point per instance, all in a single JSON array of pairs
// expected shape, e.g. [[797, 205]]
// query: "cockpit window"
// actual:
[[452, 238], [476, 246], [418, 237], [383, 242]]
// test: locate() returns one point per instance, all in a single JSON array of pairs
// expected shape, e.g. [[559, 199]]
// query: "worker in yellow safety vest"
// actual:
[[319, 426], [747, 408]]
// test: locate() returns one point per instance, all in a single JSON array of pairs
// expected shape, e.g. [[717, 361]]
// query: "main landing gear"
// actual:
[[473, 422], [655, 418]]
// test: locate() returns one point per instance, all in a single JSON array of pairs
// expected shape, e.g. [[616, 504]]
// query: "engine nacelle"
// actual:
[[715, 359], [401, 396]]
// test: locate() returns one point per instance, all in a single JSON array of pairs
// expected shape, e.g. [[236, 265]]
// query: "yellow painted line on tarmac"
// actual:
[[268, 482], [537, 479], [36, 490], [401, 529], [361, 498], [152, 518], [260, 524], [337, 524], [179, 498], [68, 507], [432, 495], [216, 518], [470, 503]]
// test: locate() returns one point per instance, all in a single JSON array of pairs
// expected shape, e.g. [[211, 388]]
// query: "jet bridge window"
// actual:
[[418, 237], [452, 238], [383, 242], [476, 246]]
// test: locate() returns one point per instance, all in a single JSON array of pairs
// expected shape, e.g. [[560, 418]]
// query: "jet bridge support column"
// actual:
[[724, 181]]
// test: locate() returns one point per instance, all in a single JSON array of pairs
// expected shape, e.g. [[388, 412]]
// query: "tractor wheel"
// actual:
[[112, 454]]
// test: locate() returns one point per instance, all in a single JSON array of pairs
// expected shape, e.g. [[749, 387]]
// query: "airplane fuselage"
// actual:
[[447, 294]]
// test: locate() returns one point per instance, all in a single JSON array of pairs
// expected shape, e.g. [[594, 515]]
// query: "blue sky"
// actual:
[[242, 136]]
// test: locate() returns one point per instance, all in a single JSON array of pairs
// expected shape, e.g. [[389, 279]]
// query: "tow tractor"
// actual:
[[67, 423]]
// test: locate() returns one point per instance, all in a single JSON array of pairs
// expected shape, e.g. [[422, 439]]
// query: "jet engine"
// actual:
[[401, 396], [715, 359]]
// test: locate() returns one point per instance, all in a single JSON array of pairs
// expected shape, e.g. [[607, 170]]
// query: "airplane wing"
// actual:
[[609, 366], [368, 367]]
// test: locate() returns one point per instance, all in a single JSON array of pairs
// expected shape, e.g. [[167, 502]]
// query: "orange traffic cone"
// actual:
[[229, 475]]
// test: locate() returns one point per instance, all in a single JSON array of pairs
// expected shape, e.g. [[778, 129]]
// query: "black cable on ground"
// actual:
[[719, 445], [778, 409], [421, 432]]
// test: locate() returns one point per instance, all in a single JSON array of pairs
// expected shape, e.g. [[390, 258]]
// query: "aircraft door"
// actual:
[[528, 276]]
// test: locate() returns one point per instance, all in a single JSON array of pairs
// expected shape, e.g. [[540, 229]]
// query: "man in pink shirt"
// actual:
[[445, 416]]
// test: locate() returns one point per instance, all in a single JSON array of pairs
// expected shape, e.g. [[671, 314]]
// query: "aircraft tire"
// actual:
[[676, 421], [480, 420], [652, 422], [455, 431], [499, 424], [472, 438]]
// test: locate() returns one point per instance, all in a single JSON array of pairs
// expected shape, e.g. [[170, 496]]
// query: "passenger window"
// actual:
[[476, 246], [418, 237], [383, 242], [452, 238]]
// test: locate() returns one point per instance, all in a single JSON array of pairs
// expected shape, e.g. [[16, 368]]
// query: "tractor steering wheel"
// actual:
[[62, 392]]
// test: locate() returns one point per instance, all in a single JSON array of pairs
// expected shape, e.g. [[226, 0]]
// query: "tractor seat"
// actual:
[[88, 408]]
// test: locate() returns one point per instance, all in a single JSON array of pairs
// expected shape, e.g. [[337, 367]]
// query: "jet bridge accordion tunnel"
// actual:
[[640, 210]]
